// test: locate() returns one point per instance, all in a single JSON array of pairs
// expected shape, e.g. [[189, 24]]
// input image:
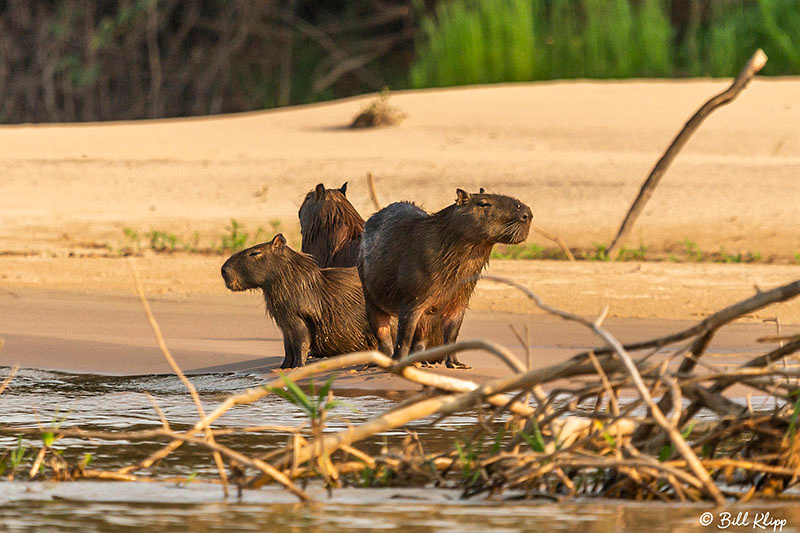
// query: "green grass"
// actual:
[[489, 41], [234, 238], [526, 251], [687, 251]]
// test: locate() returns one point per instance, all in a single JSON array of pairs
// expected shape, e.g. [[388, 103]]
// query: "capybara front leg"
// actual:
[[296, 344], [451, 326], [288, 353]]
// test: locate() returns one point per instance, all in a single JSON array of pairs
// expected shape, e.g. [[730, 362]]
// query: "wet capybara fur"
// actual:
[[416, 265], [331, 227], [320, 311]]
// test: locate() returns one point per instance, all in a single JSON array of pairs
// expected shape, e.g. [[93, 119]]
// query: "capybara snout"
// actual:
[[492, 217], [249, 269]]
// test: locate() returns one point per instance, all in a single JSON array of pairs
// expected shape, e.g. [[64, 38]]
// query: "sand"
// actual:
[[576, 152]]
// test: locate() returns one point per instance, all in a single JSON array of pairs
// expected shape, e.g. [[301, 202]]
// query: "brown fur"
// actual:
[[320, 311], [415, 265], [331, 227]]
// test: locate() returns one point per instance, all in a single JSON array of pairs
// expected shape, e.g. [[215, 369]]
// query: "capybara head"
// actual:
[[331, 227], [256, 266], [328, 207], [494, 218]]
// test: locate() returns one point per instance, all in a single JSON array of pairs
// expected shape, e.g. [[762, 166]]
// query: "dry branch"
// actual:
[[576, 450], [556, 239], [755, 64], [175, 368]]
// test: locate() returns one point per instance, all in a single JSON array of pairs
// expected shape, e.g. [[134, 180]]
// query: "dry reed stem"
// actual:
[[162, 345], [373, 193], [556, 239], [11, 374], [755, 64]]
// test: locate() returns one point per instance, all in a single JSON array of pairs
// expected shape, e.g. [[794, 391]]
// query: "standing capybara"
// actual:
[[331, 227], [415, 265], [319, 310]]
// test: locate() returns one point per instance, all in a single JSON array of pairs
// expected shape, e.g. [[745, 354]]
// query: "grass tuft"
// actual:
[[378, 113]]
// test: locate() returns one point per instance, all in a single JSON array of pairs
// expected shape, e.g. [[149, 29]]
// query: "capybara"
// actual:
[[414, 265], [320, 311], [331, 227]]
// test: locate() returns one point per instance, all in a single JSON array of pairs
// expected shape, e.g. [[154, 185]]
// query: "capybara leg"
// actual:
[[406, 326], [288, 353], [451, 328], [296, 345], [421, 334], [380, 324], [435, 336]]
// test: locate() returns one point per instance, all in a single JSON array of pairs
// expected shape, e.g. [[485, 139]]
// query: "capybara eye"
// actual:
[[483, 203], [254, 253]]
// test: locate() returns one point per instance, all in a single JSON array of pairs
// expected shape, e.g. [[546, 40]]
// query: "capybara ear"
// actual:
[[463, 196], [278, 242], [481, 191], [320, 190], [343, 188]]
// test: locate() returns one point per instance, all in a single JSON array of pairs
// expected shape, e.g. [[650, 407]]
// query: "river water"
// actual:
[[40, 398]]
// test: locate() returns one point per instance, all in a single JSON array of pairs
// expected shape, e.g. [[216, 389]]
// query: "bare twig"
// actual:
[[373, 193], [175, 368]]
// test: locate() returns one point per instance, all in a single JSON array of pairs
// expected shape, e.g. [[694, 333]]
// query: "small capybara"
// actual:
[[415, 265], [320, 311], [331, 227]]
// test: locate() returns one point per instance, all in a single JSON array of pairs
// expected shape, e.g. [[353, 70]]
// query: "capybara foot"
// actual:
[[457, 364]]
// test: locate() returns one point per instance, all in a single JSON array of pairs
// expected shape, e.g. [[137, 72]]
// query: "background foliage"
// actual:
[[83, 60]]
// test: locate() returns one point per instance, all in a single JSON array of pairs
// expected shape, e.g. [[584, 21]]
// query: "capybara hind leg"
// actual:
[[421, 334], [451, 327], [380, 324], [406, 327]]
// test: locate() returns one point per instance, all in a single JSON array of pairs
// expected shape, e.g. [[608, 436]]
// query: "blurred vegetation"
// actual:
[[485, 41], [86, 60]]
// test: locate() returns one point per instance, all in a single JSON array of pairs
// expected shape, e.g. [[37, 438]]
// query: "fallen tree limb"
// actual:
[[755, 64]]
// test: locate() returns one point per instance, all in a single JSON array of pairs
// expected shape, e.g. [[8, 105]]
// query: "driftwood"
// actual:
[[755, 64], [562, 443]]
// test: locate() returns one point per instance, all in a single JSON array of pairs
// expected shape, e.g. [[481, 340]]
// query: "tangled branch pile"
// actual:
[[618, 421]]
